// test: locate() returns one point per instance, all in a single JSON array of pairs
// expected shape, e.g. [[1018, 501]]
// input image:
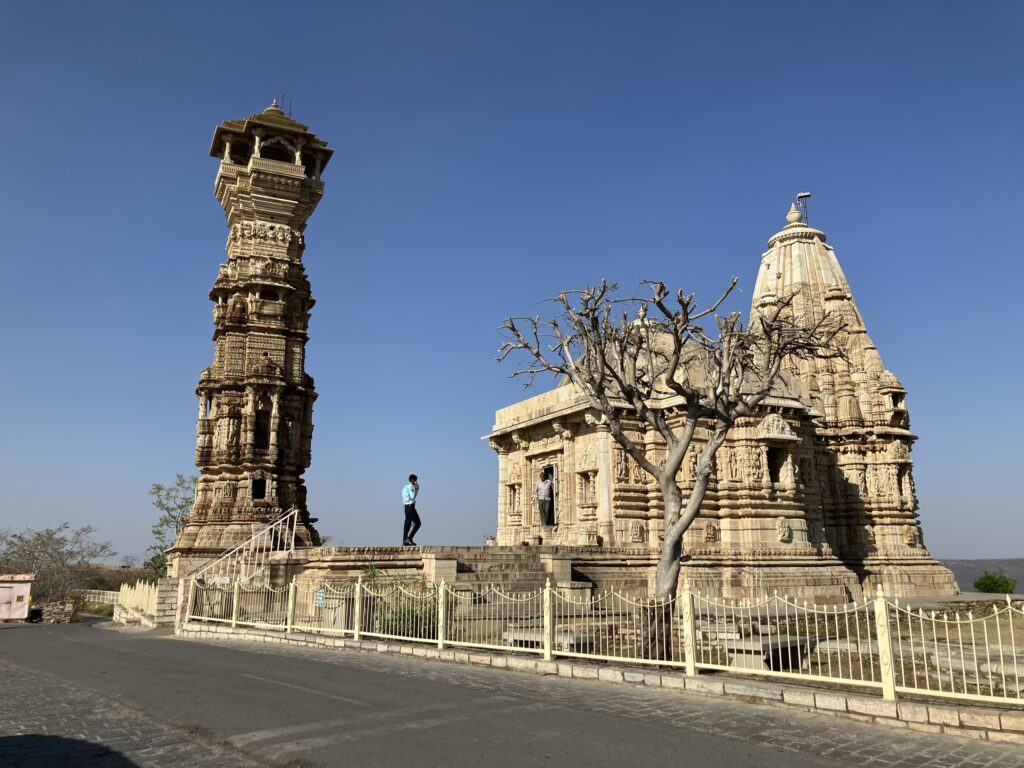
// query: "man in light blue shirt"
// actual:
[[412, 518]]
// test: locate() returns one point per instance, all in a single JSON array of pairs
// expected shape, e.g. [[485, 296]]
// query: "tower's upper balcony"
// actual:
[[270, 141]]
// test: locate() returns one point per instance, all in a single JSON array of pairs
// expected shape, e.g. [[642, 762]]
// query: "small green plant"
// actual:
[[994, 581], [370, 572]]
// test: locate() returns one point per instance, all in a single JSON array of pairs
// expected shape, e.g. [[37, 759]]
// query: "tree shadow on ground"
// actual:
[[38, 751]]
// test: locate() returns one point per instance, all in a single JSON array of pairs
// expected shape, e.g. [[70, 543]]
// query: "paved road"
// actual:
[[85, 696]]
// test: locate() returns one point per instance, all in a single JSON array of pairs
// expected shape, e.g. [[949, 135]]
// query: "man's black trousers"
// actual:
[[412, 522]]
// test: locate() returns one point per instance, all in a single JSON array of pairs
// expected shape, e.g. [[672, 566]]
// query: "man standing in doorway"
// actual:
[[412, 518], [543, 491]]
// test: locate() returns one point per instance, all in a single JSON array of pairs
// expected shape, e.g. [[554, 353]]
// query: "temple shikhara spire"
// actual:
[[255, 421]]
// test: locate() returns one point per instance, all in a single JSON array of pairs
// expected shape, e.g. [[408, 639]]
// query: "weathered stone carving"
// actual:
[[912, 536], [264, 233], [637, 532], [783, 531], [756, 465], [711, 532], [774, 427]]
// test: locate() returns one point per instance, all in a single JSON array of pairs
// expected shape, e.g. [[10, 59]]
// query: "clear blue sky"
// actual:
[[488, 155]]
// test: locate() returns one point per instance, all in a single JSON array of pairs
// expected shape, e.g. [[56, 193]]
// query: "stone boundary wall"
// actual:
[[56, 612], [1005, 724]]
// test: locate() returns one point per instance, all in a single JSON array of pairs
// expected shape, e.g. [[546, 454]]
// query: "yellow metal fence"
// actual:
[[875, 645]]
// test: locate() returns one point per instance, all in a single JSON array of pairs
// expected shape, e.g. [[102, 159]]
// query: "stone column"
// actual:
[[274, 421], [605, 521], [567, 483], [502, 452]]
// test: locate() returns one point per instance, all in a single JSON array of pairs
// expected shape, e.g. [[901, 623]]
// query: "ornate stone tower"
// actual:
[[861, 468], [256, 401]]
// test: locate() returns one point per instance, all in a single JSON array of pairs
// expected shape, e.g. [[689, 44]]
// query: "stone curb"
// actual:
[[986, 723]]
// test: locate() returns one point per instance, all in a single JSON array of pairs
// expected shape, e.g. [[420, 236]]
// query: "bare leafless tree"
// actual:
[[652, 360], [62, 558]]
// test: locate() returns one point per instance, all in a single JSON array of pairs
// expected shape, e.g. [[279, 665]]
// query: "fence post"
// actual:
[[689, 632], [291, 606], [884, 645], [442, 615], [357, 619], [191, 600], [236, 596], [549, 623]]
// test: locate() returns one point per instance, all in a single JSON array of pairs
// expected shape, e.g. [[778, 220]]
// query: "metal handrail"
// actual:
[[250, 559]]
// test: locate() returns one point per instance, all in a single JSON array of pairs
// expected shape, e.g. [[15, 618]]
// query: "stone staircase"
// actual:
[[518, 571]]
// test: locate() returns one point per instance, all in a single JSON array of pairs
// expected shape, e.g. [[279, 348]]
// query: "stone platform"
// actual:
[[629, 570]]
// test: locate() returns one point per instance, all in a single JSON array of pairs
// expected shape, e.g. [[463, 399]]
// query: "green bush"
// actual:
[[994, 581]]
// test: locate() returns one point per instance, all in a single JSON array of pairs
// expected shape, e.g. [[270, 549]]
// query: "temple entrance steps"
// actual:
[[520, 571]]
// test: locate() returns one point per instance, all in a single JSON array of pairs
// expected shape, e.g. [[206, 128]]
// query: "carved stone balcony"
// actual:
[[277, 166]]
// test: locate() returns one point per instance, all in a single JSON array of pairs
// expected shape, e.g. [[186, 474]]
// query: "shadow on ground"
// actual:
[[37, 751]]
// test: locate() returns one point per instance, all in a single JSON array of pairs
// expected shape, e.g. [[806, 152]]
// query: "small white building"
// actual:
[[15, 590]]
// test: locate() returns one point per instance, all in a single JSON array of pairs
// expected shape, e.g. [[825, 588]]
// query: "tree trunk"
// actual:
[[667, 574], [656, 630]]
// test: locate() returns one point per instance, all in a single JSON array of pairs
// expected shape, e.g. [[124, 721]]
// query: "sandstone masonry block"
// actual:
[[633, 677], [927, 727], [874, 707], [521, 665], [753, 691], [565, 669], [1006, 736], [610, 675], [799, 698], [547, 667], [913, 713], [499, 662], [668, 681], [979, 718], [969, 733], [943, 715], [704, 685], [1011, 721], [831, 701]]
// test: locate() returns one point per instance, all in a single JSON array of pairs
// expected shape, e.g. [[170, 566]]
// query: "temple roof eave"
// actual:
[[674, 401]]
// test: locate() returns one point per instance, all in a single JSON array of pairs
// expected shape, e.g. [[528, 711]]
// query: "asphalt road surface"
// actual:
[[87, 695]]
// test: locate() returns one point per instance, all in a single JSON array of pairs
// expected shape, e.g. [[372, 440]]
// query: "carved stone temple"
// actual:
[[256, 401], [814, 496]]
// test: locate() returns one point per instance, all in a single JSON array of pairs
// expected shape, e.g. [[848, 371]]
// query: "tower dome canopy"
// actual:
[[272, 121]]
